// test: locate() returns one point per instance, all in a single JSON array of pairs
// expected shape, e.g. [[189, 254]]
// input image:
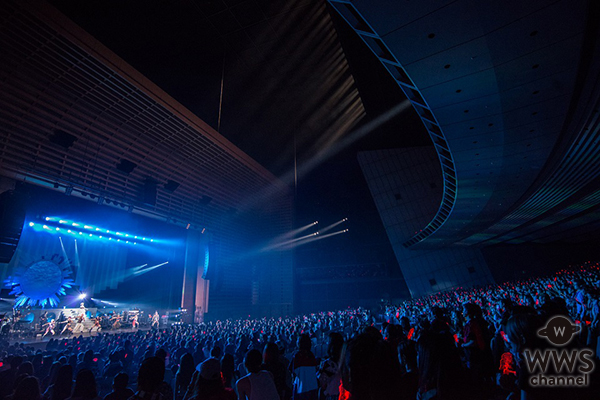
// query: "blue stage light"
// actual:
[[81, 229]]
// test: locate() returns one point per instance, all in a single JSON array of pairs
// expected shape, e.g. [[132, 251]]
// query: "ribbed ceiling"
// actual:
[[56, 79]]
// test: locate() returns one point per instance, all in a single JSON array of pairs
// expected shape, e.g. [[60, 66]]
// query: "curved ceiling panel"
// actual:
[[500, 80], [389, 60]]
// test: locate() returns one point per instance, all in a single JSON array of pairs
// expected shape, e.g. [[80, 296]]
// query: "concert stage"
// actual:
[[37, 339], [34, 322]]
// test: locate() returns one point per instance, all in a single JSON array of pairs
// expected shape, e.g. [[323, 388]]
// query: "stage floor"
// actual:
[[28, 339]]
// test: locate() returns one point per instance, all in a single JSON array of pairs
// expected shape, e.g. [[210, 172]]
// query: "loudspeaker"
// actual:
[[12, 218], [171, 186], [126, 166], [148, 192], [62, 138]]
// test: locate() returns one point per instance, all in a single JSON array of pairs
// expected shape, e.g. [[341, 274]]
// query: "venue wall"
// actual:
[[406, 185]]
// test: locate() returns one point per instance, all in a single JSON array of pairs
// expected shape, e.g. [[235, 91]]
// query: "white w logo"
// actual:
[[559, 330]]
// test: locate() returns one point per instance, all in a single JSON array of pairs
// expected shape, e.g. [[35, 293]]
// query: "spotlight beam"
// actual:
[[328, 228], [314, 238], [139, 267], [276, 245], [331, 150], [293, 233], [143, 271]]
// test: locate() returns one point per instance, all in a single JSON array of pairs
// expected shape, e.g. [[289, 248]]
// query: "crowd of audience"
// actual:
[[460, 344]]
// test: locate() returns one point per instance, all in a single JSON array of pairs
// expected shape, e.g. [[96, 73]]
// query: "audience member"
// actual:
[[258, 384], [120, 390]]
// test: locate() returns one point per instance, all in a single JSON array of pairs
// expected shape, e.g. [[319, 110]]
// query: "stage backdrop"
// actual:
[[149, 274]]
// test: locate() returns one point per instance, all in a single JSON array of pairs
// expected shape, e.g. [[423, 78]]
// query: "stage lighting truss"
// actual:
[[86, 231]]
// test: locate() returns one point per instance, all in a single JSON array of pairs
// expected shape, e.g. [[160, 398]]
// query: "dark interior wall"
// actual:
[[336, 295], [509, 262]]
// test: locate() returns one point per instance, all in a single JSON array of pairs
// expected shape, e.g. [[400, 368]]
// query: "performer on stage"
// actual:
[[116, 321], [79, 323], [49, 327], [43, 319], [5, 325], [61, 318], [96, 327], [134, 322], [68, 326], [16, 315], [155, 320]]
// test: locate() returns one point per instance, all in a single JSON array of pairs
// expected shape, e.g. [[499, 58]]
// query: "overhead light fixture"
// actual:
[[171, 186]]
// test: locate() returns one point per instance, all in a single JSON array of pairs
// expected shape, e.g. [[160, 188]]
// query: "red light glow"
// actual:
[[506, 364]]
